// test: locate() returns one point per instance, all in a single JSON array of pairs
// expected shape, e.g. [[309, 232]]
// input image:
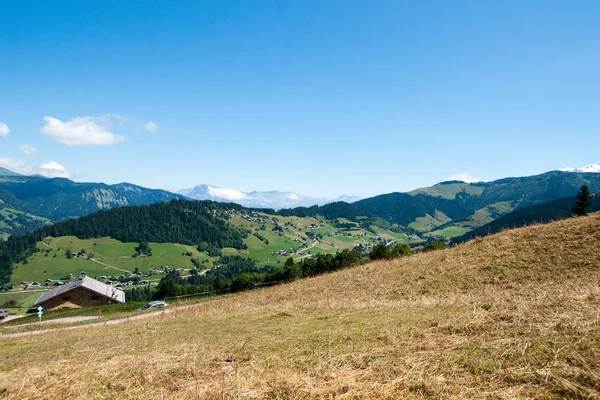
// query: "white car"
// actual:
[[153, 304]]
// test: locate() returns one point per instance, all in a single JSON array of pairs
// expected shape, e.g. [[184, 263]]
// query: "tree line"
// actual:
[[235, 273]]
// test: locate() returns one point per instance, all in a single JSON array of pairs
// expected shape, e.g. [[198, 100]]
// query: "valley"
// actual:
[[298, 200], [193, 237], [508, 316], [271, 240]]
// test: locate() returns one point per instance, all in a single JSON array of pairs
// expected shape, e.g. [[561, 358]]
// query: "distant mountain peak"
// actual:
[[7, 172], [588, 168], [267, 199]]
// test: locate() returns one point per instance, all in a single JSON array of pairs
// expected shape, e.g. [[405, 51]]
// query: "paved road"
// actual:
[[10, 318], [97, 324], [68, 320]]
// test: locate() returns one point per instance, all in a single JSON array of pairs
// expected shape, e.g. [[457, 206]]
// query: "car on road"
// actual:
[[153, 304], [3, 314]]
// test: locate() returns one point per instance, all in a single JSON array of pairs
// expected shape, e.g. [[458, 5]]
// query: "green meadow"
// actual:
[[267, 235], [111, 258], [25, 298], [450, 231]]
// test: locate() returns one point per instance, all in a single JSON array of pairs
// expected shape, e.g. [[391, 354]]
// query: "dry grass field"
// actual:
[[515, 315]]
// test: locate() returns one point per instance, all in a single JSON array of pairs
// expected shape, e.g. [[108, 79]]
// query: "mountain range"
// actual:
[[268, 199], [588, 168], [29, 202], [446, 210], [453, 208]]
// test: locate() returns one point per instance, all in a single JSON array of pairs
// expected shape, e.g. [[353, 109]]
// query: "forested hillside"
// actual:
[[61, 198], [36, 200], [541, 213], [338, 209], [458, 202], [177, 221], [403, 208]]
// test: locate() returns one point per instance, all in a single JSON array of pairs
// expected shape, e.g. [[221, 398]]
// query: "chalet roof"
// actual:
[[117, 295]]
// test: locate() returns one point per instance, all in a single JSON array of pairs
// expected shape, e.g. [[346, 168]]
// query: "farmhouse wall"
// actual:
[[78, 297]]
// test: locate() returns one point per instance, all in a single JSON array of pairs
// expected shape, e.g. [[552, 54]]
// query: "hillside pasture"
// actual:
[[425, 224], [513, 315], [449, 191], [449, 231], [24, 298], [117, 255]]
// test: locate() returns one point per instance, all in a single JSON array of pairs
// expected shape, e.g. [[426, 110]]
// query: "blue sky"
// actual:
[[319, 97]]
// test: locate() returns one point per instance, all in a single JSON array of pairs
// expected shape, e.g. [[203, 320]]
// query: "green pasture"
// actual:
[[51, 262], [450, 231], [24, 298], [424, 224], [44, 264], [449, 191], [401, 237]]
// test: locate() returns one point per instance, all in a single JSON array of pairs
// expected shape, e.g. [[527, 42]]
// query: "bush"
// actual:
[[401, 250], [434, 245], [380, 252], [10, 304]]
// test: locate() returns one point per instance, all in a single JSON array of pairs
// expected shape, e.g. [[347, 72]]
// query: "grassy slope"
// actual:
[[509, 316], [12, 220], [479, 218], [449, 191], [106, 250], [43, 265]]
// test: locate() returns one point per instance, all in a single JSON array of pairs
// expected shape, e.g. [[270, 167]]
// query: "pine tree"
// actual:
[[582, 202]]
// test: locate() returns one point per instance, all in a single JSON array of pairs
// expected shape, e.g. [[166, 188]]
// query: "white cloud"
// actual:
[[229, 194], [463, 177], [29, 150], [4, 129], [52, 169], [81, 131], [151, 126], [15, 165]]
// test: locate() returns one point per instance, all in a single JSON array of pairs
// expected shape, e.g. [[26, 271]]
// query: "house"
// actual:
[[84, 292]]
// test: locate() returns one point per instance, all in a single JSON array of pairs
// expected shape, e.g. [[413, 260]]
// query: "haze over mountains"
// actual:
[[267, 199]]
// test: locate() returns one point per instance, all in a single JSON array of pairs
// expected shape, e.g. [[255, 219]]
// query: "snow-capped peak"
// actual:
[[229, 194], [270, 199], [588, 168]]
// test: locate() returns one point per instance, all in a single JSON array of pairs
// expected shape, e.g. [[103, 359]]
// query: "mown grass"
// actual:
[[513, 315]]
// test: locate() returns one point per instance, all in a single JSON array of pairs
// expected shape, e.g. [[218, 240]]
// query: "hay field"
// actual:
[[514, 315]]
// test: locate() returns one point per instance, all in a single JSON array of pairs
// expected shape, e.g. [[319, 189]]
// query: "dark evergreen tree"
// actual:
[[583, 201], [291, 270]]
